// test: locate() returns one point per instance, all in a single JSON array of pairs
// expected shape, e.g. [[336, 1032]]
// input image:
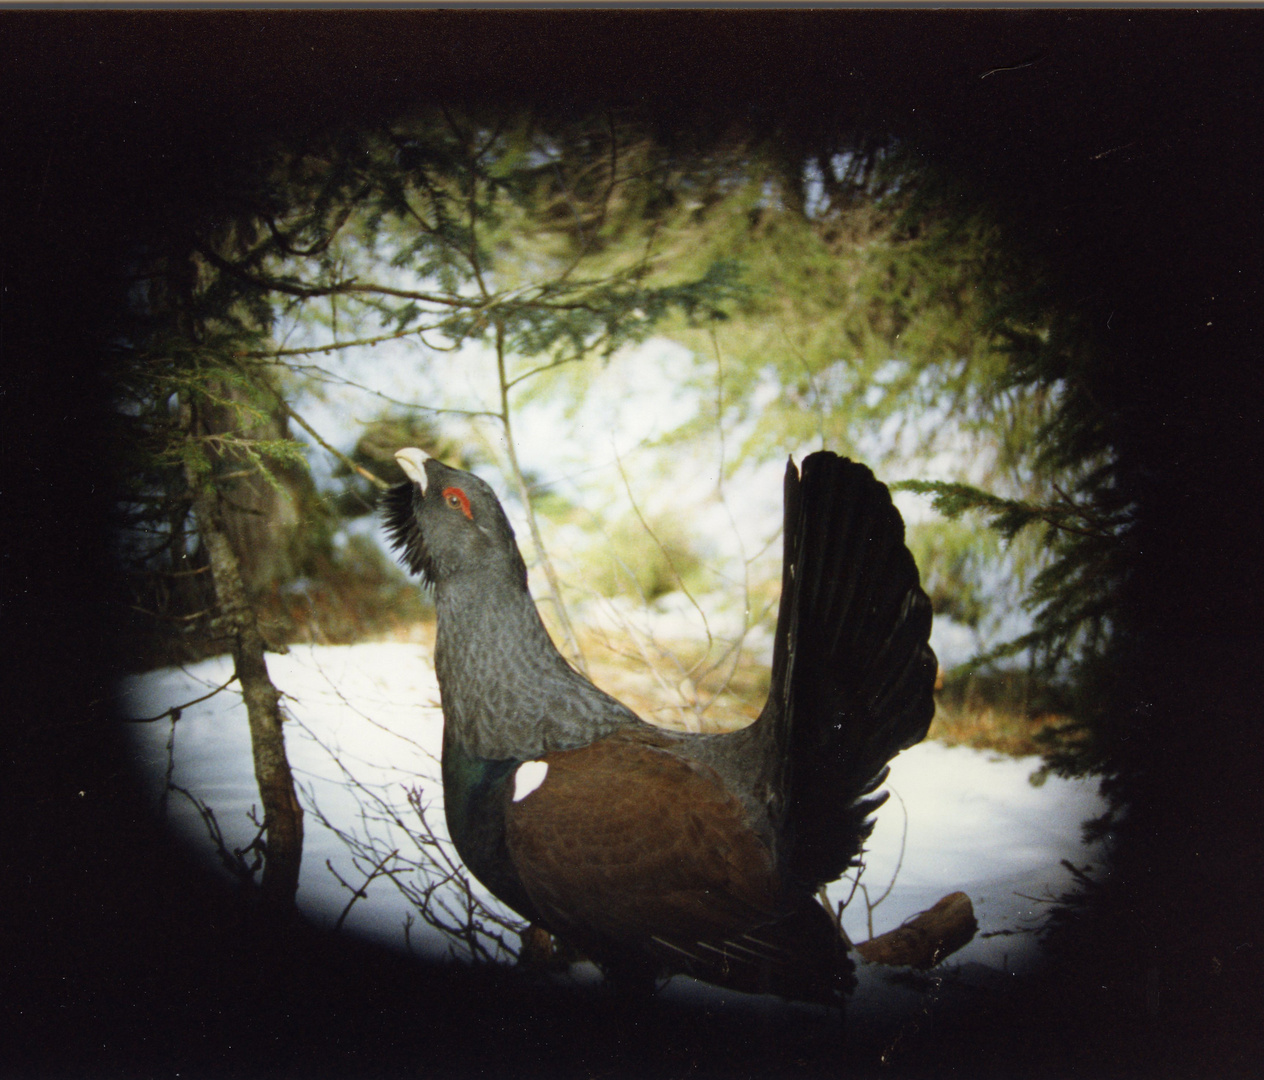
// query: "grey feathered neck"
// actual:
[[507, 691]]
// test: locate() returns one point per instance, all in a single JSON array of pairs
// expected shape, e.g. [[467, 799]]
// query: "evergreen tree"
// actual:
[[447, 231]]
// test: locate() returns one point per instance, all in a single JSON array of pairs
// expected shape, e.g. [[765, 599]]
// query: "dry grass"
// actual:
[[653, 679], [675, 684], [1007, 712], [996, 728]]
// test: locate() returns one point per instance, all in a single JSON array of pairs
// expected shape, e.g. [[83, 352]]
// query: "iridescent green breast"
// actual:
[[475, 796]]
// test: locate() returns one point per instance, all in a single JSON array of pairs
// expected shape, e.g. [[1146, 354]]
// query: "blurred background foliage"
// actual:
[[475, 282]]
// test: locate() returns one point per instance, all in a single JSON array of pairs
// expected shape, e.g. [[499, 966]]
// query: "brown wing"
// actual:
[[644, 861], [623, 841]]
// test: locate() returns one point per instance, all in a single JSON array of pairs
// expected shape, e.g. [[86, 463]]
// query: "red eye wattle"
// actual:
[[457, 499]]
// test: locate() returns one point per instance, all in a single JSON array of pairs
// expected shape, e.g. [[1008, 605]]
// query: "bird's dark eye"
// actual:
[[458, 500]]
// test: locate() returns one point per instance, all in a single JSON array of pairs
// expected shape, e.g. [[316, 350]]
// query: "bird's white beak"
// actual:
[[413, 462]]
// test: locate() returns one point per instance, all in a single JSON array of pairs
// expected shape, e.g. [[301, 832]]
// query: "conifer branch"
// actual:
[[372, 478]]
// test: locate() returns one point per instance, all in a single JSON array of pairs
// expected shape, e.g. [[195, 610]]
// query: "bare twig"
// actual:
[[858, 885], [233, 861], [433, 880], [324, 375], [524, 493], [171, 767], [372, 478], [171, 618], [1080, 875], [350, 343], [671, 564], [361, 893], [176, 710]]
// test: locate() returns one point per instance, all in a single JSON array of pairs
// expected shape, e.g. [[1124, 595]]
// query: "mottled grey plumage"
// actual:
[[657, 851]]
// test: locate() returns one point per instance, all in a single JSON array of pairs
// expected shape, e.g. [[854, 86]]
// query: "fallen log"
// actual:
[[926, 939]]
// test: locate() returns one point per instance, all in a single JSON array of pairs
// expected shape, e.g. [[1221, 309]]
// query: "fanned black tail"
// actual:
[[853, 675]]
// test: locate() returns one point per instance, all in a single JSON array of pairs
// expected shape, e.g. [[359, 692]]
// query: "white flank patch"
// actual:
[[530, 775]]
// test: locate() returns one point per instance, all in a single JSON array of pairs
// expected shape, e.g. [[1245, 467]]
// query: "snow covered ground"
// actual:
[[366, 728]]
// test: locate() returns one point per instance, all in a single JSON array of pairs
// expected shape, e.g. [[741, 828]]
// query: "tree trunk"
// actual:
[[282, 814]]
